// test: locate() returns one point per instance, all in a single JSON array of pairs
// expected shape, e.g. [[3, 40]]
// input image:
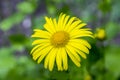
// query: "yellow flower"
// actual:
[[100, 34], [59, 40]]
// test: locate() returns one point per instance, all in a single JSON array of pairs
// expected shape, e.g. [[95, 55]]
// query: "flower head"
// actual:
[[59, 40], [100, 34]]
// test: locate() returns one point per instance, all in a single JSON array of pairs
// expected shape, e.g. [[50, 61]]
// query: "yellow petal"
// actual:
[[42, 31], [64, 58], [82, 35], [79, 32], [76, 62], [43, 53], [49, 26], [62, 21], [80, 25], [46, 61], [79, 46], [41, 34], [73, 25], [52, 53], [71, 49], [40, 41], [40, 48], [34, 48], [85, 29], [69, 23], [55, 24], [81, 41], [59, 22], [59, 60], [81, 53], [65, 21]]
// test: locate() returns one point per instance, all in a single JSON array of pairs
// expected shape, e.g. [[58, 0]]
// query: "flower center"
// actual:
[[60, 39]]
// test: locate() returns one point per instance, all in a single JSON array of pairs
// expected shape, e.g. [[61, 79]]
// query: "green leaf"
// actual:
[[59, 75], [109, 76], [51, 9], [105, 6], [38, 22], [87, 16], [7, 61], [115, 11], [18, 39], [26, 7], [10, 21], [65, 9], [112, 58], [111, 30]]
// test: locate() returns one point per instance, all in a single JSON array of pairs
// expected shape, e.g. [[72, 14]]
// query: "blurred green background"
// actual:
[[18, 18]]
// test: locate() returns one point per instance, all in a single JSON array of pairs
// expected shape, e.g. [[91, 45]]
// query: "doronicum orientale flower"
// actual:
[[60, 39]]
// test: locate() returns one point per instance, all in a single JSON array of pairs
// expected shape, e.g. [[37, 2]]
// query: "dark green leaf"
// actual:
[[18, 39]]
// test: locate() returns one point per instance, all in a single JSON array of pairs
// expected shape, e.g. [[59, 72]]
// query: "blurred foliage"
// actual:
[[112, 59], [26, 7], [14, 19], [112, 29], [105, 6], [102, 62]]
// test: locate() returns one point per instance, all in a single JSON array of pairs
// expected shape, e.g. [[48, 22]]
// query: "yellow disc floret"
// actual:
[[60, 38]]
